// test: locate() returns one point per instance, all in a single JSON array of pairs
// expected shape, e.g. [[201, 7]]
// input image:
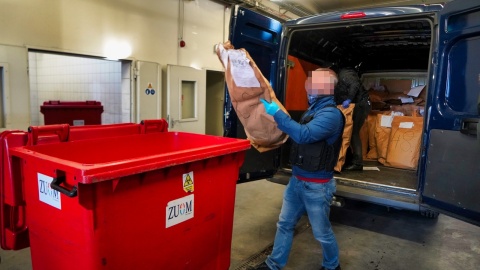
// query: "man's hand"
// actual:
[[270, 108], [346, 103]]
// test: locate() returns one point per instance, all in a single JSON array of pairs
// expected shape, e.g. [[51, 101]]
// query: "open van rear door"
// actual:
[[260, 36], [451, 179]]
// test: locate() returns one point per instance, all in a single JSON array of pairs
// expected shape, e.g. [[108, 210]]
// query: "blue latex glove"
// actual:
[[270, 108], [346, 103]]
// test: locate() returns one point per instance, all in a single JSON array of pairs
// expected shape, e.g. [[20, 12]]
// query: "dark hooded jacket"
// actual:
[[349, 86]]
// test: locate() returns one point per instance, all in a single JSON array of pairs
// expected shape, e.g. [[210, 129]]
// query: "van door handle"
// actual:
[[469, 126]]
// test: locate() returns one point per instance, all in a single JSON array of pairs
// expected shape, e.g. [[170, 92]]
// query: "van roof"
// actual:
[[369, 13]]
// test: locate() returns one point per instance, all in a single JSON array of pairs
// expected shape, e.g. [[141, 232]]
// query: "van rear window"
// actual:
[[464, 76]]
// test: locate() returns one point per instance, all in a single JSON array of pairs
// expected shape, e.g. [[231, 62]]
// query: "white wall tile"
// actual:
[[68, 78]]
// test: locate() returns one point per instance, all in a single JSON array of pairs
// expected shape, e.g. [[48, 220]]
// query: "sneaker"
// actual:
[[336, 268], [262, 266]]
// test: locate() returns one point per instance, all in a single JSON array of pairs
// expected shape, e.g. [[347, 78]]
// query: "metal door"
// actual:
[[185, 99], [451, 175], [148, 103]]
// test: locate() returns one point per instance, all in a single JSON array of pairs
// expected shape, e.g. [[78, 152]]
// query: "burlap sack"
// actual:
[[404, 143], [364, 139], [347, 134], [382, 137], [246, 85], [372, 144], [407, 109]]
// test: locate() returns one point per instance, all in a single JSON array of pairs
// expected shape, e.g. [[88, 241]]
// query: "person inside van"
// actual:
[[350, 90], [316, 143]]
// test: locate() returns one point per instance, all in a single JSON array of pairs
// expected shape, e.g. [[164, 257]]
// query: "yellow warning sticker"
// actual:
[[188, 182]]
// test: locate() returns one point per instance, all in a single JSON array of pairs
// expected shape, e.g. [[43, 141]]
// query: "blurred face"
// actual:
[[320, 82]]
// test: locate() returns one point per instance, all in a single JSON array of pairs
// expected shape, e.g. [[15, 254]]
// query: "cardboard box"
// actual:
[[397, 85]]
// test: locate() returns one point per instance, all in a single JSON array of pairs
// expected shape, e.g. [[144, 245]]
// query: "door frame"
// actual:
[[4, 95]]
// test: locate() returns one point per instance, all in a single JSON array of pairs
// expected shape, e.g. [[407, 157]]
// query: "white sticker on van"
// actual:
[[46, 194], [179, 210]]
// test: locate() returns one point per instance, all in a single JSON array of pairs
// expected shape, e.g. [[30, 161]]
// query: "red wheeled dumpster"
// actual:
[[74, 113], [13, 223], [161, 200]]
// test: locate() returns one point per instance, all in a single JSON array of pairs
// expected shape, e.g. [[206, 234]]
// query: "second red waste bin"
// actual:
[[74, 113], [146, 201]]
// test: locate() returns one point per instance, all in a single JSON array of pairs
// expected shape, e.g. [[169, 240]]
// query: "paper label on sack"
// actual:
[[179, 210], [406, 125], [187, 180], [414, 92], [46, 194], [242, 72], [406, 100], [386, 121]]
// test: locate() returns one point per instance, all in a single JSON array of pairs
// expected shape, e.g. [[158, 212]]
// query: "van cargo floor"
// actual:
[[376, 173], [373, 173]]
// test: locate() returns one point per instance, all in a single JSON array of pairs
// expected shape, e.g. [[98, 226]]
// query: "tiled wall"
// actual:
[[70, 78]]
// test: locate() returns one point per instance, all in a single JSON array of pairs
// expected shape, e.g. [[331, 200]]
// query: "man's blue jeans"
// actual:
[[302, 197]]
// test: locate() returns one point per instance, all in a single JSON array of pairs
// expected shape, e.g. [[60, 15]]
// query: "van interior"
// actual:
[[391, 58]]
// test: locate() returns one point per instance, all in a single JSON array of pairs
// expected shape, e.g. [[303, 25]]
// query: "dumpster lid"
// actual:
[[56, 103], [96, 160]]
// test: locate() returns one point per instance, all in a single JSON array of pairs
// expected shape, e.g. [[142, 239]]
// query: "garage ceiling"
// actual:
[[292, 9]]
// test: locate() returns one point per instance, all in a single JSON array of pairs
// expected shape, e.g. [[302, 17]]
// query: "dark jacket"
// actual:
[[327, 124], [349, 86]]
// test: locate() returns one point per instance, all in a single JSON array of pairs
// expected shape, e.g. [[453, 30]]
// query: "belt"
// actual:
[[314, 180]]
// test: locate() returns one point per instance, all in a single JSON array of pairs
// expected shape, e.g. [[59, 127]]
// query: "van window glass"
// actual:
[[463, 90], [260, 33]]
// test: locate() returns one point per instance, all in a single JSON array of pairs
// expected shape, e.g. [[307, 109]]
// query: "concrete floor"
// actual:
[[370, 237]]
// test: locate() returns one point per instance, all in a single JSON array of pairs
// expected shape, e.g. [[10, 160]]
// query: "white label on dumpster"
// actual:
[[46, 194], [80, 122], [179, 210]]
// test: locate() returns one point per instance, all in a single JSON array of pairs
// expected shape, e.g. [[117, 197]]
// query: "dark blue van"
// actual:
[[437, 46]]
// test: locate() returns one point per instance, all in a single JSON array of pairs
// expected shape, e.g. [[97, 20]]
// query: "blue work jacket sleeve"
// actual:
[[323, 126]]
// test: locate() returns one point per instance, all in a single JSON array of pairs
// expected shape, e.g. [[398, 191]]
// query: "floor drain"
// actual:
[[256, 258], [262, 255]]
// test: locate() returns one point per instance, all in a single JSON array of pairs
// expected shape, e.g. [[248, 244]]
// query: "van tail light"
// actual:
[[353, 15]]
